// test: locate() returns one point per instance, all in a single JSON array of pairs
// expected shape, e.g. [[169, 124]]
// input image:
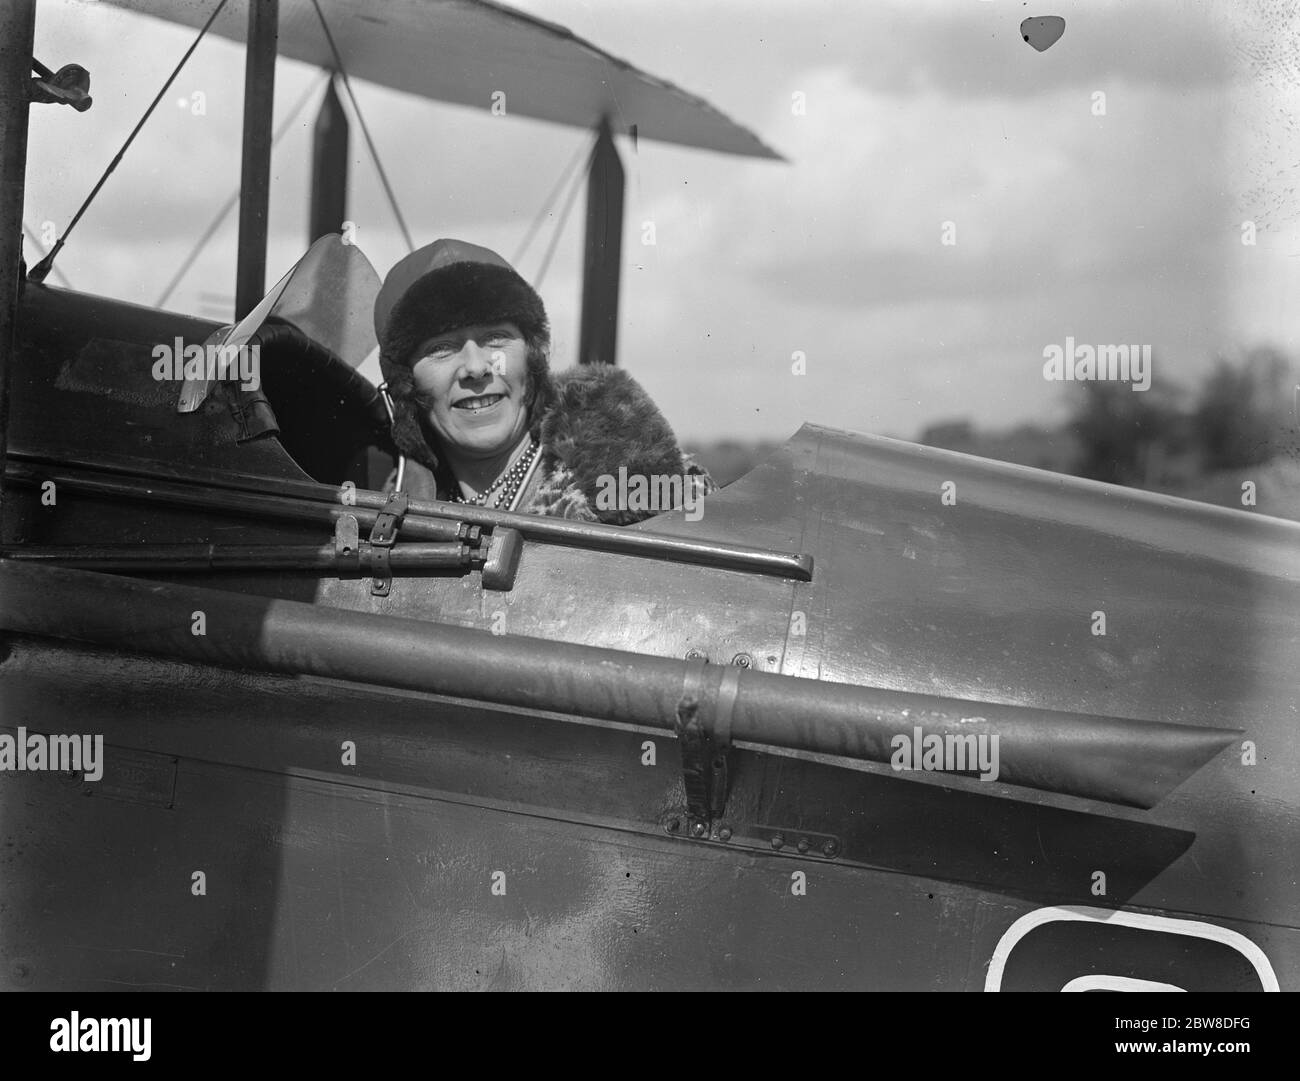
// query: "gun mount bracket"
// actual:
[[382, 538]]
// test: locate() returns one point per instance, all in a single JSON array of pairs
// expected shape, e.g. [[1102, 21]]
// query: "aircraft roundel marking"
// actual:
[[1136, 920]]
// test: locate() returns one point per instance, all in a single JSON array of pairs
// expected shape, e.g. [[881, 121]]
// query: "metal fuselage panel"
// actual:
[[382, 873], [464, 847]]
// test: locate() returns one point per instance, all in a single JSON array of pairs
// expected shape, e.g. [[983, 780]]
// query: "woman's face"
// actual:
[[470, 385]]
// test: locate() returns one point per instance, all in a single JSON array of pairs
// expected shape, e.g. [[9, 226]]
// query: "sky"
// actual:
[[1099, 190]]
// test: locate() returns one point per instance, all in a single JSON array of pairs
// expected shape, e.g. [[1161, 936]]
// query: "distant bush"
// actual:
[[1123, 434], [1244, 413]]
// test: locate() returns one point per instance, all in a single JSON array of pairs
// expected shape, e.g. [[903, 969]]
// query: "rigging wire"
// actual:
[[233, 201], [365, 130], [31, 235], [39, 272], [547, 204], [564, 215]]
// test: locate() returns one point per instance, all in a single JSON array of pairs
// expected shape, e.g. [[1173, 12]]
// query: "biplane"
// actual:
[[882, 717]]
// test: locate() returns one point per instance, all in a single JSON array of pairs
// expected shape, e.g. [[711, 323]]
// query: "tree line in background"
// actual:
[[1239, 423], [1242, 415]]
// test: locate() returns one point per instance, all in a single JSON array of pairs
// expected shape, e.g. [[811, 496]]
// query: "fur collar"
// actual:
[[604, 420]]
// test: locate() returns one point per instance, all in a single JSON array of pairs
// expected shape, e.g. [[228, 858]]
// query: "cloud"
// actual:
[[967, 50], [1041, 195], [1113, 228]]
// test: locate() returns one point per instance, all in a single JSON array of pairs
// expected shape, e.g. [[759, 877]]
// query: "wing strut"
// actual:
[[365, 130], [604, 252], [329, 168], [255, 171]]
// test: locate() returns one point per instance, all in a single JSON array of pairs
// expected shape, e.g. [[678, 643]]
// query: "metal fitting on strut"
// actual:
[[703, 728]]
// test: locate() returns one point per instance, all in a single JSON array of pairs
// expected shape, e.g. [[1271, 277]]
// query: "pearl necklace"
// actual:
[[508, 482]]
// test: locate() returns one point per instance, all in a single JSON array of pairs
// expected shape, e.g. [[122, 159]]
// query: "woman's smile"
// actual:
[[477, 404]]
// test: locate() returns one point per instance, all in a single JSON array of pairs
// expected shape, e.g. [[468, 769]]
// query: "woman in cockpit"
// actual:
[[464, 342]]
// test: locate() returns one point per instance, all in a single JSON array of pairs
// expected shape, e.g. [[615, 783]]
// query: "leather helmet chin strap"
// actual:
[[401, 455]]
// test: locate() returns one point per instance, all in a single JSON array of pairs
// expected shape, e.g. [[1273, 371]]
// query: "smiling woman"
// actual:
[[464, 344], [471, 384]]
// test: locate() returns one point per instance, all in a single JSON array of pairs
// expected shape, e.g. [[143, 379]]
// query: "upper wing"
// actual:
[[463, 51]]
